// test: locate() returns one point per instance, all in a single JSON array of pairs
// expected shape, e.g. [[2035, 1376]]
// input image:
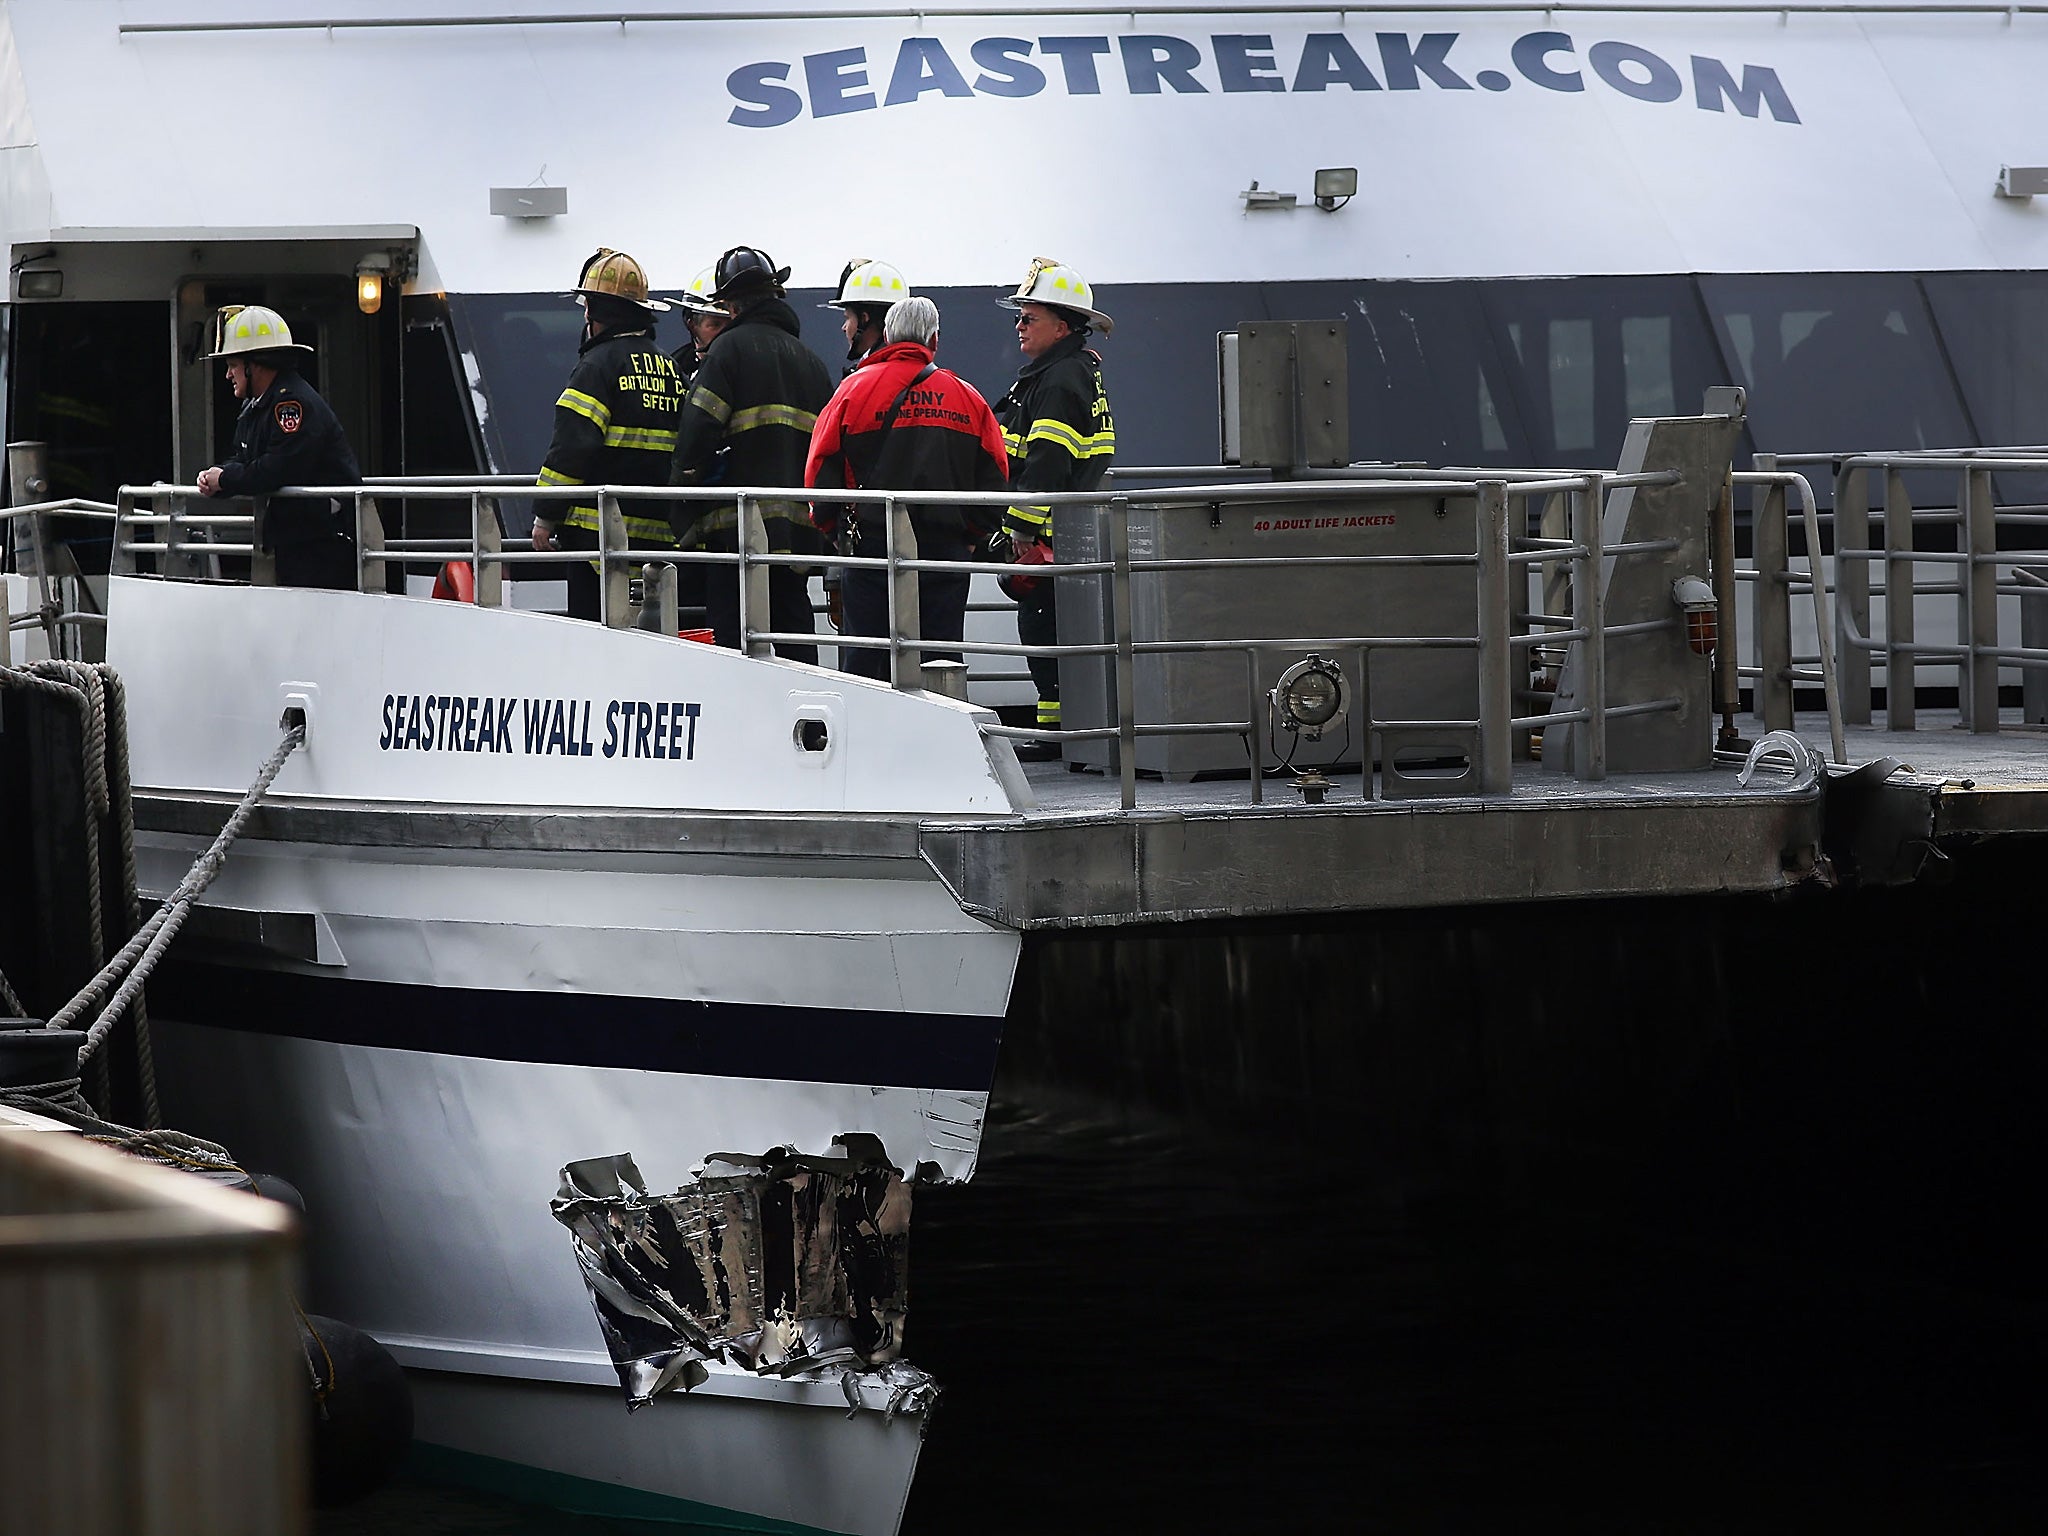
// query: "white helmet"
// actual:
[[874, 284], [247, 330], [1053, 283], [696, 298]]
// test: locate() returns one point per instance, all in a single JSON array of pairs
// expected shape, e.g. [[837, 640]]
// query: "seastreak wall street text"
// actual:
[[631, 728], [773, 92]]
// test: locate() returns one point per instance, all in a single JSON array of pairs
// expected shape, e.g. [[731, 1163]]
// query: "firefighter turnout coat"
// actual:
[[290, 436], [1057, 429], [615, 424], [747, 422], [944, 438]]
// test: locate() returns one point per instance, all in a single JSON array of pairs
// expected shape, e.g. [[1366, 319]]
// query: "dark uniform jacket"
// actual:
[[288, 435], [756, 396], [944, 438], [1058, 430], [615, 424]]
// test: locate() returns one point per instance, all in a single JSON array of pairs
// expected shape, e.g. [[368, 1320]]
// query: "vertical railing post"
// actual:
[[262, 562], [1254, 746], [1852, 591], [906, 621], [1900, 676], [1496, 692], [121, 558], [1365, 723], [1589, 616], [1979, 693], [1126, 673], [753, 576], [1727, 649], [370, 573], [614, 579], [486, 543], [1771, 545]]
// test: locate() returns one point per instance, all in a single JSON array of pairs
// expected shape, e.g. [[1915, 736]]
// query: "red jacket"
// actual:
[[944, 438]]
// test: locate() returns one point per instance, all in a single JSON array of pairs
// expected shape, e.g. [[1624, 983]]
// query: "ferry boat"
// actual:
[[536, 892]]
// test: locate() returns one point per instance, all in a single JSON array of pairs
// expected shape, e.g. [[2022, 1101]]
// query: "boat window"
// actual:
[[1991, 327], [524, 346], [1837, 362], [1428, 383], [1571, 385], [1992, 324], [1646, 364], [61, 360], [1587, 354]]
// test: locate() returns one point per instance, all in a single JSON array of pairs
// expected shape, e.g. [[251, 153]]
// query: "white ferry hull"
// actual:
[[419, 1002]]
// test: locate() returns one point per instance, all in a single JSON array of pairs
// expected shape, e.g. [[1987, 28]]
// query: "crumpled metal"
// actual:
[[783, 1264]]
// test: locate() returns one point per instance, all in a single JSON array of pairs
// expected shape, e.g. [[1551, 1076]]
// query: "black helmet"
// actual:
[[745, 267]]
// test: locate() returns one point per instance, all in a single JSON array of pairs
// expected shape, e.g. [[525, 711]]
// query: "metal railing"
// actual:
[[57, 592], [183, 534], [1778, 670], [1875, 629]]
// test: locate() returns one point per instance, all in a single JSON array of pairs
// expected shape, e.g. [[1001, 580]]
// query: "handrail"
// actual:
[[1861, 637], [1774, 630], [185, 534], [997, 12]]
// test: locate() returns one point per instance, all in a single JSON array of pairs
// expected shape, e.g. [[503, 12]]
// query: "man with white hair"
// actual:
[[900, 422]]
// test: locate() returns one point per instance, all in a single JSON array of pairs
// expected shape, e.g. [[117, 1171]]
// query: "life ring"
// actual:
[[456, 582]]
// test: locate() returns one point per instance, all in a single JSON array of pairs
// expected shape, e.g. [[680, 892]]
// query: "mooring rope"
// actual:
[[61, 1101], [57, 679], [139, 955]]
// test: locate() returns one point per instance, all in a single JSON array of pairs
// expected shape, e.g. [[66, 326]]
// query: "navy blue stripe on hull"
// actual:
[[790, 1044]]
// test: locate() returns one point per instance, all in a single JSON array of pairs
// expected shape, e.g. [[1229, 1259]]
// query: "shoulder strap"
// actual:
[[888, 420]]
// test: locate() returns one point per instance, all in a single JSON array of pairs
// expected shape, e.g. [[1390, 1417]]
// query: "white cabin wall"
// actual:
[[1903, 121]]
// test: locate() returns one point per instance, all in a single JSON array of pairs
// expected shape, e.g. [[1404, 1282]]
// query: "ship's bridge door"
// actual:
[[105, 331]]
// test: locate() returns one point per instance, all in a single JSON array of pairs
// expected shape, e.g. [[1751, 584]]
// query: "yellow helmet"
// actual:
[[1054, 283], [249, 330], [615, 275]]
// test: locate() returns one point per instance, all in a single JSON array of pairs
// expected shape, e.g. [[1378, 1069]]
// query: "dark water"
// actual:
[[1144, 1329], [1714, 1216]]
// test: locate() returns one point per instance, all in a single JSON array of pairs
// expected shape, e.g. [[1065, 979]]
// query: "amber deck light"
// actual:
[[370, 273]]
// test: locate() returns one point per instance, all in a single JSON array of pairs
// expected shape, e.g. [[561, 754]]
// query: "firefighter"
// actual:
[[704, 317], [285, 435], [615, 422], [866, 290], [757, 396], [1060, 436], [901, 422]]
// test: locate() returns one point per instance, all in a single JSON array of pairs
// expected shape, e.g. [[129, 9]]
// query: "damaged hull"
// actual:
[[421, 1009]]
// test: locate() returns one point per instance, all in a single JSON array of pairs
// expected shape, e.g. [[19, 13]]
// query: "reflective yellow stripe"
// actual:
[[1013, 444], [772, 416], [722, 518], [1095, 445], [556, 477], [662, 438], [1049, 713], [1047, 430], [586, 405], [711, 405], [636, 527], [654, 528], [1036, 516]]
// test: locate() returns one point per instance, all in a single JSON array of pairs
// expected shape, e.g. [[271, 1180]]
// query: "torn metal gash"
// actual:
[[779, 1265]]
